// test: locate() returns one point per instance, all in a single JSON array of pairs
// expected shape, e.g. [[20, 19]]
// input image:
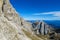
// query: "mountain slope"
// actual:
[[13, 27], [11, 24]]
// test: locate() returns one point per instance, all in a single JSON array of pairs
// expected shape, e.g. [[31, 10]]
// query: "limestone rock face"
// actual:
[[1, 6], [10, 23], [26, 25], [42, 28], [13, 27]]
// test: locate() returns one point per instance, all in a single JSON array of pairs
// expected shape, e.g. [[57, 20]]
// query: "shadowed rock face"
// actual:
[[42, 28]]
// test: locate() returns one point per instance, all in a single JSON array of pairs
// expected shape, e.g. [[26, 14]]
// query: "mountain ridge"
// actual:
[[13, 27]]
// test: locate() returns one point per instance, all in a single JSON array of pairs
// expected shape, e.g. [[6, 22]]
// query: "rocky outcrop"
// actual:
[[26, 25], [13, 27], [10, 23], [42, 28]]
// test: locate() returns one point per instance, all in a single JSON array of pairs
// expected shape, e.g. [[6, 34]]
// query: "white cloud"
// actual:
[[56, 13]]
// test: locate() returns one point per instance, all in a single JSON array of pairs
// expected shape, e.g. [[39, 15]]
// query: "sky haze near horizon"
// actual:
[[37, 9]]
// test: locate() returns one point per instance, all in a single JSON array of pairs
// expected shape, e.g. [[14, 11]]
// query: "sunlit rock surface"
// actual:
[[13, 27], [10, 23]]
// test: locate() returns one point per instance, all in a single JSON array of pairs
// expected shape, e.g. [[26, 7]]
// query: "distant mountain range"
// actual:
[[53, 23]]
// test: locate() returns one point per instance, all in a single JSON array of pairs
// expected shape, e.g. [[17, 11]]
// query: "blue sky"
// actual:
[[37, 9]]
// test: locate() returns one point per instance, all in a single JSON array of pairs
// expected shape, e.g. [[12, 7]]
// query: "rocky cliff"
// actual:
[[13, 27], [42, 28], [10, 23]]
